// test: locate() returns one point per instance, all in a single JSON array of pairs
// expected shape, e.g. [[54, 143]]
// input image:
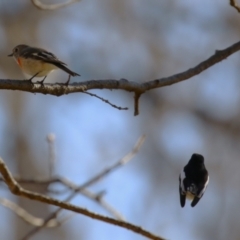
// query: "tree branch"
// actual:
[[26, 216], [106, 101], [234, 4], [71, 186], [43, 6], [52, 153], [16, 189], [123, 84], [136, 103]]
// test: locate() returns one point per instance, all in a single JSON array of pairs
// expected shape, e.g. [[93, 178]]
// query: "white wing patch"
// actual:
[[182, 177], [191, 190], [203, 190]]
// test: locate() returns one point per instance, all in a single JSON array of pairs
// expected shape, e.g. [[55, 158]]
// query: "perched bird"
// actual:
[[193, 180], [38, 62]]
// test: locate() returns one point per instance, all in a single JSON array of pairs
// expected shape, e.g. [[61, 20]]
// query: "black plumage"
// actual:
[[193, 180]]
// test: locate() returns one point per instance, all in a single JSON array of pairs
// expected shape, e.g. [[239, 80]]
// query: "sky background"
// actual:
[[140, 41]]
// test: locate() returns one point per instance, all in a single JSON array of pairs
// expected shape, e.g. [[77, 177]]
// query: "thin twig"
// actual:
[[106, 101], [43, 6], [18, 190], [136, 103], [99, 199], [73, 187], [51, 153], [93, 180], [26, 216]]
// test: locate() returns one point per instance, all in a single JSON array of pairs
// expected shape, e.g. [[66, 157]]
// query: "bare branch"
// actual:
[[106, 101], [136, 103], [70, 185], [123, 84], [27, 217], [121, 162], [96, 178], [76, 189], [18, 190], [51, 152], [99, 199], [235, 5], [43, 6]]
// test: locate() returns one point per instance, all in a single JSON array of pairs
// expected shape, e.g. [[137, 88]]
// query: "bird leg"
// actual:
[[69, 76], [30, 80], [41, 82], [66, 83]]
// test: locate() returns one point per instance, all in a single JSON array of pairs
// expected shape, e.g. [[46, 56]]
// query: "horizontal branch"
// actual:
[[122, 84]]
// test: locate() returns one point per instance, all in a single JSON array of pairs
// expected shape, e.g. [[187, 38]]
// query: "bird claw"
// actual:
[[41, 83], [66, 83], [30, 81]]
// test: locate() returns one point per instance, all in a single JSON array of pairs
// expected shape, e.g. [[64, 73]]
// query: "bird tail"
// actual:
[[67, 70]]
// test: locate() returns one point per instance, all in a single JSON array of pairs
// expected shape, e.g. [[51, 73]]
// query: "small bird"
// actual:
[[193, 180], [38, 62]]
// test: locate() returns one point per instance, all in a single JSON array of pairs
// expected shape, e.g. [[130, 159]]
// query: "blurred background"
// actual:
[[140, 41]]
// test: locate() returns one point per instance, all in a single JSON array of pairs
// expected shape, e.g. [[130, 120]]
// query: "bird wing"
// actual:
[[200, 192], [182, 192], [202, 189], [41, 54], [195, 201]]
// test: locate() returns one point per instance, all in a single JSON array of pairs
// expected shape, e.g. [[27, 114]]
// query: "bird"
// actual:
[[37, 62], [193, 180]]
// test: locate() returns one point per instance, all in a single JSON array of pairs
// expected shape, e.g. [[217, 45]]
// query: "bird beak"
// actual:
[[10, 55]]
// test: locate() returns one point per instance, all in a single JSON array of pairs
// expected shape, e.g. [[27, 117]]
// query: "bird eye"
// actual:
[[16, 50]]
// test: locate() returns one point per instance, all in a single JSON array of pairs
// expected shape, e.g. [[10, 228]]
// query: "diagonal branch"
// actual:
[[26, 216], [93, 180], [99, 199], [234, 4], [71, 186], [16, 189], [106, 101]]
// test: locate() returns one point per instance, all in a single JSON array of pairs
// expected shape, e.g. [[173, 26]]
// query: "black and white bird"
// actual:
[[193, 180]]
